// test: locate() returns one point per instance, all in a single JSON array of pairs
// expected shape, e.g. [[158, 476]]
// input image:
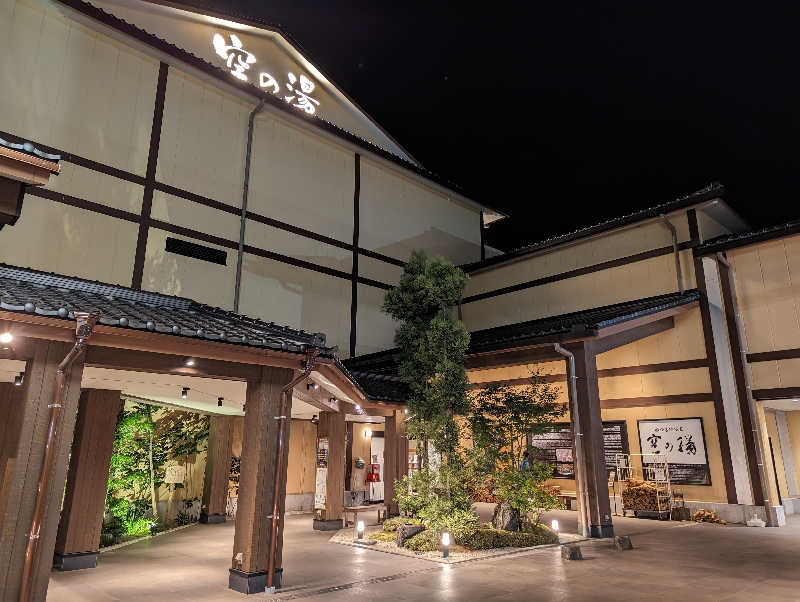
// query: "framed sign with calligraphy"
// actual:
[[555, 447], [682, 443]]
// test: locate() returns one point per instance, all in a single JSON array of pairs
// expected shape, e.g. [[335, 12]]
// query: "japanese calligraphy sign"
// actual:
[[680, 441], [297, 89]]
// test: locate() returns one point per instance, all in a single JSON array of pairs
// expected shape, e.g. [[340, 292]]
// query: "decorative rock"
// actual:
[[623, 542], [571, 553], [405, 532], [506, 518]]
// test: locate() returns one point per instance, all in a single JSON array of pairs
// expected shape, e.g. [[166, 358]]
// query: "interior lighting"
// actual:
[[554, 524], [405, 411], [445, 544], [358, 407], [189, 361], [312, 386], [184, 392], [6, 337], [219, 401], [360, 529], [367, 433], [18, 379]]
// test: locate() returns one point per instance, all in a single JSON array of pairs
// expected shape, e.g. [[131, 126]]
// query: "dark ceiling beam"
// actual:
[[607, 342]]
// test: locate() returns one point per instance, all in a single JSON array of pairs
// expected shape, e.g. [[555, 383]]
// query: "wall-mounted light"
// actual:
[[6, 337], [189, 361], [18, 379], [445, 544], [219, 401], [405, 411], [367, 433], [184, 392]]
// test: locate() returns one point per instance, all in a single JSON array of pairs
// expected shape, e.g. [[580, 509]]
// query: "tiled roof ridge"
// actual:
[[738, 239], [30, 149], [101, 15], [715, 188], [161, 313]]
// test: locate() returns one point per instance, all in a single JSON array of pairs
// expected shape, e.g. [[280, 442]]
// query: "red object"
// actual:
[[374, 473]]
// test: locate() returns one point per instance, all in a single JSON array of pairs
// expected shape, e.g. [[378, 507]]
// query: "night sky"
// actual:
[[567, 114]]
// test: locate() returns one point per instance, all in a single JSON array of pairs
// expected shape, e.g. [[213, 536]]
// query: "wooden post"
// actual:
[[332, 427], [251, 542], [78, 541], [23, 469], [599, 505], [395, 457], [218, 468]]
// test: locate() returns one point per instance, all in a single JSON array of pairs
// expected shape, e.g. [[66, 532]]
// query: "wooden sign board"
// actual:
[[175, 474]]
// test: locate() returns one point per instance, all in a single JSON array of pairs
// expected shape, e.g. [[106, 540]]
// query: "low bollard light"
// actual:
[[445, 544], [360, 529], [554, 524]]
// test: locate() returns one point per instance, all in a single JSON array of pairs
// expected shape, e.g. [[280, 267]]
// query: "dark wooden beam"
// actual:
[[769, 356], [776, 393], [512, 357], [616, 336], [162, 363], [655, 400]]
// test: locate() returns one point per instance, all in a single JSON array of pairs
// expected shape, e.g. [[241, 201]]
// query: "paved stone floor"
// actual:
[[671, 561]]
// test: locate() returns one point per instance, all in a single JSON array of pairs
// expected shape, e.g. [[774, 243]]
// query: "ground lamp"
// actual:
[[554, 524], [445, 544], [219, 401], [184, 392], [360, 530]]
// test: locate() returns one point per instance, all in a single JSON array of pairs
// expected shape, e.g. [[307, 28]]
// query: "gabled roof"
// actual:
[[122, 26], [33, 292], [712, 191], [743, 239], [579, 324]]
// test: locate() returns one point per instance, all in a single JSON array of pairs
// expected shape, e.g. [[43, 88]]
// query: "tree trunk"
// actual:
[[153, 502]]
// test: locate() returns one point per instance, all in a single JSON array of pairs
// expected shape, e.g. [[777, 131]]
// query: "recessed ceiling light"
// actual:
[[6, 337], [189, 361]]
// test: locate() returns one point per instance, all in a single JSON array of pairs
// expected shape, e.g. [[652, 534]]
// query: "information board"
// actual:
[[682, 443], [556, 447]]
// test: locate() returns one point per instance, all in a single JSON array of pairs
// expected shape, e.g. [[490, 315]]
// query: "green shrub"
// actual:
[[391, 525], [461, 524], [426, 541], [137, 527], [485, 539], [384, 536]]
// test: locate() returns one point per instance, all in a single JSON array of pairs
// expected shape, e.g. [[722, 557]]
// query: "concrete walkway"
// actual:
[[671, 561]]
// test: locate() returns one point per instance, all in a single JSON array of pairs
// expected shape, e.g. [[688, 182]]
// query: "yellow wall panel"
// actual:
[[52, 64], [793, 423], [203, 138], [97, 187], [772, 432], [297, 297], [180, 212], [59, 238], [174, 274]]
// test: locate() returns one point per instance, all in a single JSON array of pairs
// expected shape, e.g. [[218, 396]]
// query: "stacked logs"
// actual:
[[707, 516], [639, 495]]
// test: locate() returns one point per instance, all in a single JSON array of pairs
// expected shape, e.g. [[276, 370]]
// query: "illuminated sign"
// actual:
[[297, 90]]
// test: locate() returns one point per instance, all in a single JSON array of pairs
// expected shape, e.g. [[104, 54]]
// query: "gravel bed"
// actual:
[[345, 537]]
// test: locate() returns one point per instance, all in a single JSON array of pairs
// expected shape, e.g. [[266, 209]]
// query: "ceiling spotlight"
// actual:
[[314, 419], [332, 400], [184, 392], [6, 337], [189, 361], [312, 386], [358, 407], [18, 379], [219, 401]]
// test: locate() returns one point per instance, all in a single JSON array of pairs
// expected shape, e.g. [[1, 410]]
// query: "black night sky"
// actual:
[[569, 113]]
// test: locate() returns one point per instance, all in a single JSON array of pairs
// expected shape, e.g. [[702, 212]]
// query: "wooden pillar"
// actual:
[[78, 541], [24, 468], [599, 505], [395, 457], [253, 534], [332, 427], [218, 468]]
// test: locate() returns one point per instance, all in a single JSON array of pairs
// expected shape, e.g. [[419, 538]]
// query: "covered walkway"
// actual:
[[680, 561]]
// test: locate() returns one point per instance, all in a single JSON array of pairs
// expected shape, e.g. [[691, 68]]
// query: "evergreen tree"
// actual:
[[432, 344]]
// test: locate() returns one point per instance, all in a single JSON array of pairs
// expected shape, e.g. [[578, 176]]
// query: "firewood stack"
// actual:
[[639, 495], [707, 516]]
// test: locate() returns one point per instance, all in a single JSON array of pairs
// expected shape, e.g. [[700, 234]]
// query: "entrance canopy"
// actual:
[[179, 342]]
